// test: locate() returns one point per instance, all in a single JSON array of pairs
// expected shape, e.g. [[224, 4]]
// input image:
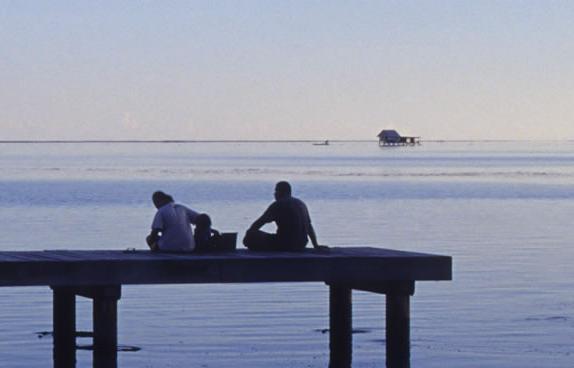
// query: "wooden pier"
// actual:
[[99, 275]]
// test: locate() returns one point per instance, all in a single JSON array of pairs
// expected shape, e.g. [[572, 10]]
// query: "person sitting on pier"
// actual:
[[205, 237], [294, 226], [171, 226]]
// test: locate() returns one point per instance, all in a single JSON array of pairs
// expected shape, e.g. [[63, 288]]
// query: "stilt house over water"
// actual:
[[389, 137]]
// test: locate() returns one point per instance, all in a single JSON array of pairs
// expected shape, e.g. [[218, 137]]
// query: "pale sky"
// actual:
[[286, 69]]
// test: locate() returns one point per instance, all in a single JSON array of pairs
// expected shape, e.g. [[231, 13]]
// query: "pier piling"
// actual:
[[398, 331], [64, 320], [340, 326]]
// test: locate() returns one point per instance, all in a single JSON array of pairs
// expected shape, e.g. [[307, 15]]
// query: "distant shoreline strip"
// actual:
[[42, 141], [173, 141]]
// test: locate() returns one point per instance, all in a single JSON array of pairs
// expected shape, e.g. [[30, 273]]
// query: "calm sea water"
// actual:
[[503, 210]]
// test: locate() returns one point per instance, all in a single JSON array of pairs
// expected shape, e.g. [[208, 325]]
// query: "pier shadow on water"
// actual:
[[66, 358]]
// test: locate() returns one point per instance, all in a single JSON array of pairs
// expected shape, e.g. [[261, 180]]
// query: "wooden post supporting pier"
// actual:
[[398, 331], [398, 321], [105, 321], [64, 317], [397, 317], [105, 344], [340, 326]]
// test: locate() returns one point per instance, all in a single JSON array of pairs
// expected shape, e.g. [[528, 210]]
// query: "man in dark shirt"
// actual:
[[293, 224]]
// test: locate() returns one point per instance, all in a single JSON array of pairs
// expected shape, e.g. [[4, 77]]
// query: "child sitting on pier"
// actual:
[[205, 237]]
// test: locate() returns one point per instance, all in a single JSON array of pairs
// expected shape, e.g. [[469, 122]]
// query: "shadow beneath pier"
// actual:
[[101, 359], [66, 357]]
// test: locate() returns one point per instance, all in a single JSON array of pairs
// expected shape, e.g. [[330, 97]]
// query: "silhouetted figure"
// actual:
[[205, 237], [293, 224], [171, 227]]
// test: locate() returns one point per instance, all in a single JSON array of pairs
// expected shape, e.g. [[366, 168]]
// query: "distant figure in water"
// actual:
[[293, 224], [171, 226], [325, 143]]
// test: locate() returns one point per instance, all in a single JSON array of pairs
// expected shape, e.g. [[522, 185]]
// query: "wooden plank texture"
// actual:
[[116, 267]]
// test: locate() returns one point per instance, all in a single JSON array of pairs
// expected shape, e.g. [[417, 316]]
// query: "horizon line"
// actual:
[[3, 141]]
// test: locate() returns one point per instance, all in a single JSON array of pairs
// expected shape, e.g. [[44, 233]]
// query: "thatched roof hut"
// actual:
[[392, 137], [389, 136]]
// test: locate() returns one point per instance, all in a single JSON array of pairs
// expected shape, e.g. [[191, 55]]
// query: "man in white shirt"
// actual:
[[171, 226]]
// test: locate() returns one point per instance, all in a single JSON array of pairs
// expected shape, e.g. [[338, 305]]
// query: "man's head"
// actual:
[[160, 199], [282, 190]]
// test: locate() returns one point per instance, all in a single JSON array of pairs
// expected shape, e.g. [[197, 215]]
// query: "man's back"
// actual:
[[294, 228], [292, 218], [174, 222]]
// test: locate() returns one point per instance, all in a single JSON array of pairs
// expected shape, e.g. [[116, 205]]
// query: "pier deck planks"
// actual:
[[115, 267]]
